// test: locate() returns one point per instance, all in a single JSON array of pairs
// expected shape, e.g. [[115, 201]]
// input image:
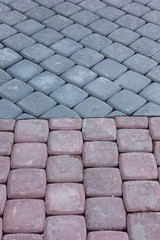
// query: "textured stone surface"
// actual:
[[154, 128], [67, 123], [4, 169], [111, 235], [131, 122], [3, 198], [6, 142]]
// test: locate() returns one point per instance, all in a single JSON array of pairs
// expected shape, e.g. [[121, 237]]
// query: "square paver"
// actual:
[[131, 22], [4, 77], [150, 30], [23, 5], [118, 3], [152, 93], [12, 17], [153, 17], [110, 13], [29, 27], [8, 57], [6, 142], [154, 128], [4, 169], [84, 17], [8, 110], [103, 26], [57, 22], [66, 9], [3, 198], [39, 13], [136, 9], [92, 5], [108, 234], [154, 74]]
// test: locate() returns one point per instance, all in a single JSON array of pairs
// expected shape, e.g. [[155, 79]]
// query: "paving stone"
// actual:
[[29, 27], [78, 75], [8, 109], [57, 22], [22, 236], [96, 41], [102, 88], [110, 13], [64, 169], [29, 155], [66, 9], [156, 57], [25, 116], [115, 114], [154, 5], [149, 109], [149, 30], [18, 42], [69, 227], [39, 13], [118, 3], [103, 26], [143, 225], [92, 107], [76, 32], [99, 129], [51, 65], [26, 183], [8, 57], [3, 198], [147, 196], [49, 3], [136, 9], [124, 36], [4, 169], [117, 52], [12, 17], [137, 166], [156, 151], [65, 124], [140, 63], [37, 53], [0, 227], [65, 142], [87, 57], [24, 70], [143, 1], [152, 93], [24, 215], [132, 81], [134, 140], [7, 125], [153, 17], [6, 142], [46, 82], [109, 69], [4, 77], [154, 128], [105, 213], [15, 90], [31, 131], [64, 199], [131, 22], [92, 5], [1, 46], [115, 235], [75, 1], [7, 2], [131, 122], [23, 5], [154, 74], [66, 47], [4, 8], [102, 182], [84, 17]]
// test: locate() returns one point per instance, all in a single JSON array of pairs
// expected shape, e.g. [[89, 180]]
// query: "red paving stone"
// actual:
[[65, 123], [4, 168], [131, 122], [157, 152], [107, 235], [22, 236], [6, 142], [0, 228], [154, 126], [3, 198], [7, 125]]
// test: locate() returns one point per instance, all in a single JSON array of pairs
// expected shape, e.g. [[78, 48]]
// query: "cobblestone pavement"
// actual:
[[80, 180], [79, 58]]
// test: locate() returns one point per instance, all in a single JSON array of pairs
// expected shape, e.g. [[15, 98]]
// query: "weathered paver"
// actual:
[[22, 235], [8, 57], [111, 235], [131, 122], [65, 123]]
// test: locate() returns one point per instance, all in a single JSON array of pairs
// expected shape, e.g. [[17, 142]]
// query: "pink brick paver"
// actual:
[[29, 155], [138, 166], [24, 216], [99, 129], [65, 198], [65, 227], [107, 235], [131, 122], [64, 168], [7, 125], [154, 127], [26, 183], [4, 168], [102, 182], [0, 228], [6, 142], [141, 196], [65, 142], [22, 236], [3, 198], [65, 123], [157, 152]]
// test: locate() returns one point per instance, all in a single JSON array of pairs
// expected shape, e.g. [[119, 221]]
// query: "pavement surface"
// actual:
[[79, 58], [75, 179]]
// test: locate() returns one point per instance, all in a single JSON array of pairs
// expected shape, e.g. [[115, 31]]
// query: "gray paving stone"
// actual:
[[24, 70], [18, 42], [96, 42], [109, 69], [115, 114], [84, 17], [131, 22], [4, 77], [57, 22], [87, 57], [66, 47], [149, 109], [110, 13], [57, 64], [12, 17], [1, 46], [24, 116], [8, 110], [67, 9], [15, 90], [37, 53], [49, 3], [75, 1], [76, 32], [23, 5], [102, 88], [40, 13], [79, 75], [136, 9], [154, 74], [92, 107], [156, 57], [145, 46], [124, 36], [36, 104], [69, 95], [59, 111], [47, 36], [29, 27], [153, 17], [7, 2], [118, 3], [140, 63], [6, 31], [4, 8], [103, 26], [126, 101], [8, 57], [92, 5], [155, 4], [133, 81], [152, 93], [46, 82], [143, 1], [149, 30], [117, 52]]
